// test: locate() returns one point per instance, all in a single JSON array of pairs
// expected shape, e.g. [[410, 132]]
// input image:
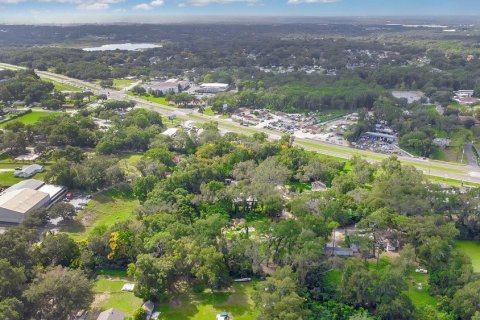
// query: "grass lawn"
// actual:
[[472, 249], [420, 297], [205, 306], [127, 163], [208, 112], [31, 118], [7, 179], [149, 97], [64, 87], [105, 209], [119, 84], [109, 294]]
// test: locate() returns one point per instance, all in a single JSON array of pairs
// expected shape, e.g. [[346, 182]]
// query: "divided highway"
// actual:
[[446, 170]]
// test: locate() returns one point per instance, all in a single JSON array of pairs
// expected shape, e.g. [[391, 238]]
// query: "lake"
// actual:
[[124, 46]]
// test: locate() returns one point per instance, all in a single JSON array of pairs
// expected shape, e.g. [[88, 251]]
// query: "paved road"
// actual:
[[472, 159], [469, 173]]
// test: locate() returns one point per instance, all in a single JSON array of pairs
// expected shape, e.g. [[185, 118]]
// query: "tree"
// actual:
[[36, 218], [152, 276], [59, 294], [277, 297], [63, 210], [12, 280], [11, 309], [57, 249], [139, 314], [144, 185], [466, 301]]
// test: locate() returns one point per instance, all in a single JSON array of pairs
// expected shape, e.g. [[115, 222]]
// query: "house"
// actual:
[[112, 314], [29, 171]]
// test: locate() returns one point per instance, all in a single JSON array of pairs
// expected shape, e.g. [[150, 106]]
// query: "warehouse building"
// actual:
[[22, 198], [213, 87]]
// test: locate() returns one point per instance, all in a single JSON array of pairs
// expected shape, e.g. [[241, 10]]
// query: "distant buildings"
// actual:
[[24, 197], [213, 87], [465, 97]]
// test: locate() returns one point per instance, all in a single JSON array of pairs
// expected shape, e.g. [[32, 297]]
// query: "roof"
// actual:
[[170, 132], [51, 189], [214, 85], [31, 169], [26, 184], [22, 200], [112, 314], [148, 306]]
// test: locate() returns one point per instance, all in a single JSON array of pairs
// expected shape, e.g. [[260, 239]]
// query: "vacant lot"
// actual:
[[105, 209], [205, 306], [31, 118], [472, 249], [109, 294]]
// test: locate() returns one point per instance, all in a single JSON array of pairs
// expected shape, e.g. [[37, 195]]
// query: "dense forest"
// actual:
[[193, 186]]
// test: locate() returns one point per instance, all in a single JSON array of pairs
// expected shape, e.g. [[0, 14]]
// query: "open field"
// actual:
[[472, 249], [105, 209], [420, 297], [109, 294], [64, 87], [205, 306], [31, 118], [119, 84]]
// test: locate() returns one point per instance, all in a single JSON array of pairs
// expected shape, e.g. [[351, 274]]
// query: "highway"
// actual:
[[446, 170]]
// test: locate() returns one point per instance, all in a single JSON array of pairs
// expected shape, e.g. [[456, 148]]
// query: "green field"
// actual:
[[149, 97], [205, 306], [472, 249], [119, 84], [64, 87], [420, 297], [105, 209], [109, 294], [31, 118], [7, 179], [208, 112]]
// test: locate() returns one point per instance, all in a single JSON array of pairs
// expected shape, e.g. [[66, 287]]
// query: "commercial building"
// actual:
[[161, 88], [213, 87], [22, 198]]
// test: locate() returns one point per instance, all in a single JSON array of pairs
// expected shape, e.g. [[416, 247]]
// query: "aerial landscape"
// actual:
[[240, 160]]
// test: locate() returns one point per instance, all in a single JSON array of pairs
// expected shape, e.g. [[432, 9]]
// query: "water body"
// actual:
[[124, 46]]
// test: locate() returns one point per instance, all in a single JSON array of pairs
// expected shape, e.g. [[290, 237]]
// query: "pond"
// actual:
[[124, 46]]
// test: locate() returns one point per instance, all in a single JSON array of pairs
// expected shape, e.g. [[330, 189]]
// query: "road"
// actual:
[[471, 158], [447, 170]]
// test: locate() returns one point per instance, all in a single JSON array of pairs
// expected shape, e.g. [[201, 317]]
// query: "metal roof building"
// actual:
[[14, 205]]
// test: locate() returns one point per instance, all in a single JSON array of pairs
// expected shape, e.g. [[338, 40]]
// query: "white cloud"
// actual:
[[311, 1], [149, 6], [10, 1], [91, 5], [207, 2]]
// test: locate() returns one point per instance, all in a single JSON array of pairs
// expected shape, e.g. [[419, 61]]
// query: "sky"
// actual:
[[104, 11]]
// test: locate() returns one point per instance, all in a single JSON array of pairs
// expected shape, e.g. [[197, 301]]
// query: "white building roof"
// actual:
[[26, 184], [170, 132], [214, 85], [22, 200], [51, 190]]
